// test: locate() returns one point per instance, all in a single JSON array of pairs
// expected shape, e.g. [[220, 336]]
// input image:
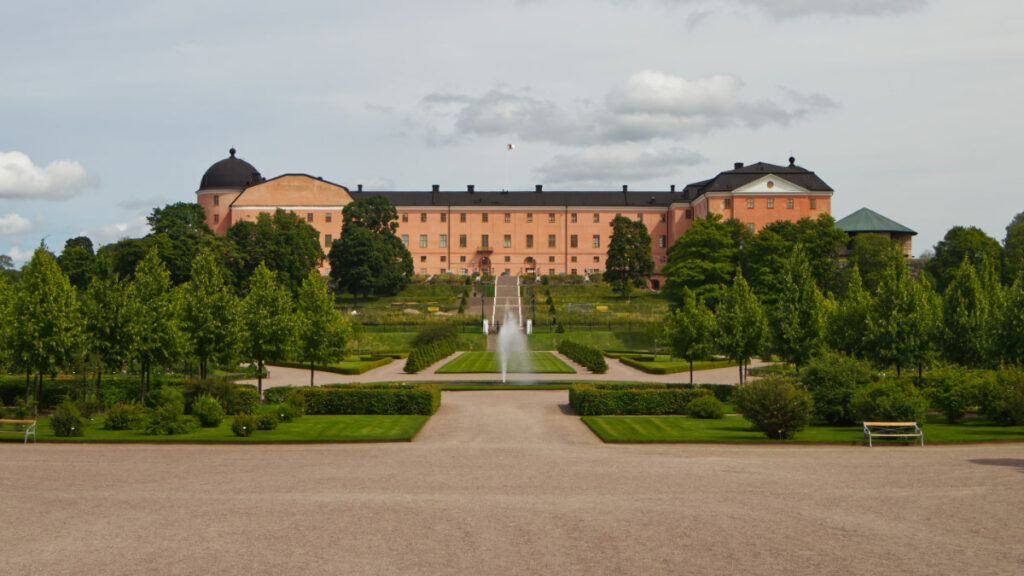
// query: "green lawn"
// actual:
[[489, 363], [738, 429], [304, 429], [600, 339], [369, 342], [663, 364]]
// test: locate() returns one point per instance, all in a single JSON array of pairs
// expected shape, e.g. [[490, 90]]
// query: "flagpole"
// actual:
[[509, 148]]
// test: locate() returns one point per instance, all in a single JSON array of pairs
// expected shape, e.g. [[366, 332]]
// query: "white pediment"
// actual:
[[770, 184]]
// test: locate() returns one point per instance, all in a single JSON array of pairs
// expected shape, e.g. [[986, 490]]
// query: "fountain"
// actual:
[[511, 344]]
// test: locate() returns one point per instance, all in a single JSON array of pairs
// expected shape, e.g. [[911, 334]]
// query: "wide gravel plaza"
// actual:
[[508, 483]]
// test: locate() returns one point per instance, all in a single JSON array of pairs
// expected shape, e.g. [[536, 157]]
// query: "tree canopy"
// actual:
[[284, 242], [705, 258], [368, 259], [629, 263], [962, 242]]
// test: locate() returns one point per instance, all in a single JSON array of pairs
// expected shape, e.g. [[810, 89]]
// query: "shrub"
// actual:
[[890, 400], [208, 411], [951, 390], [24, 408], [372, 399], [267, 421], [1002, 396], [246, 400], [279, 394], [775, 406], [586, 356], [168, 415], [435, 332], [89, 404], [423, 356], [67, 420], [243, 425], [706, 407], [287, 412], [832, 379], [123, 416]]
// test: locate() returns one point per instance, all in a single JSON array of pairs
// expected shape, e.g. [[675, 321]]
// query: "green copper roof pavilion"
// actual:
[[866, 220]]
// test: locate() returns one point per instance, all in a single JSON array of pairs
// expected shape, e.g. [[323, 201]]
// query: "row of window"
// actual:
[[485, 241], [727, 203], [485, 217]]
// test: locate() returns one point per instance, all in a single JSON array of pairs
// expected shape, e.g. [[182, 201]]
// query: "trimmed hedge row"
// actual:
[[586, 356], [364, 366], [631, 399], [629, 361], [380, 399], [426, 355]]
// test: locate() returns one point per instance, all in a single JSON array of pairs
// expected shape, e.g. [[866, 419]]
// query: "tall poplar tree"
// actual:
[[322, 331], [629, 262], [741, 323], [266, 321], [690, 330], [155, 326], [847, 326], [798, 322], [210, 313], [1011, 328]]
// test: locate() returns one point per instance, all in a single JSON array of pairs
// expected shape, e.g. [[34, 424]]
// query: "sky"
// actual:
[[109, 109]]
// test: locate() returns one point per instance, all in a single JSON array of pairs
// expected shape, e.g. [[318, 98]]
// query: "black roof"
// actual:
[[743, 175], [526, 198], [230, 172]]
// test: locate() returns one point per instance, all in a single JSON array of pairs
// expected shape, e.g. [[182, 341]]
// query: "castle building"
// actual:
[[519, 232]]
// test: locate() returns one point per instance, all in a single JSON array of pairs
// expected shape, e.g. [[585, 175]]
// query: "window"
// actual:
[[423, 216], [216, 218], [462, 216], [508, 258], [574, 241], [508, 217], [597, 259], [689, 213], [462, 240], [771, 203], [327, 217], [485, 241], [597, 240], [814, 203], [551, 259], [405, 217], [327, 239], [309, 216], [572, 218], [551, 240], [423, 258], [462, 259], [572, 259], [405, 240], [444, 216], [661, 217], [661, 241], [597, 217], [573, 271], [529, 217], [551, 216], [465, 271], [444, 259], [507, 242], [750, 226], [423, 240], [483, 217], [727, 203], [789, 203], [551, 271], [443, 270], [750, 203], [216, 200], [529, 240], [444, 239]]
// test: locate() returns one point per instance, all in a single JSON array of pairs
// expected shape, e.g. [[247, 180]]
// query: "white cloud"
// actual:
[[114, 232], [21, 178], [12, 224], [611, 166], [20, 256]]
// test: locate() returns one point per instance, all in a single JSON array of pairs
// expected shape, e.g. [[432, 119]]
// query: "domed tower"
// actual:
[[221, 184]]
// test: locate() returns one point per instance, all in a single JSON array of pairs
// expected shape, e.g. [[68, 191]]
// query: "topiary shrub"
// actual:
[[424, 356], [706, 407], [168, 416], [890, 400], [590, 358], [951, 390], [832, 379], [243, 425], [775, 405], [67, 420], [1002, 396], [123, 416], [208, 411], [267, 421]]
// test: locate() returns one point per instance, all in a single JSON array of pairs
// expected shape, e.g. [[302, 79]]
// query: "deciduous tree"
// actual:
[[798, 318], [962, 242], [628, 264], [156, 331], [322, 332], [106, 311], [690, 330], [740, 323], [267, 327], [966, 319], [705, 258], [210, 313]]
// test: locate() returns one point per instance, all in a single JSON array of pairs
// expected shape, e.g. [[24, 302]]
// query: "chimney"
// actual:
[[672, 188], [737, 165], [625, 188], [435, 188], [792, 161], [539, 188], [470, 188], [359, 188]]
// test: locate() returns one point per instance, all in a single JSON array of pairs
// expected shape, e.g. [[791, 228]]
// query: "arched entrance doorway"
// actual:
[[485, 266], [529, 265]]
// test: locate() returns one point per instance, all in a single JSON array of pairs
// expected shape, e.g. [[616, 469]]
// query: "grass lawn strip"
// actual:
[[332, 428], [662, 364], [489, 363], [735, 428]]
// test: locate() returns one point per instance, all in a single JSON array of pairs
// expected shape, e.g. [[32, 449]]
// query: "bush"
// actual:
[[586, 356], [775, 405], [278, 395], [1002, 396], [168, 415], [243, 425], [890, 400], [247, 400], [951, 390], [424, 356], [67, 420], [706, 407], [832, 379], [436, 332], [371, 399], [208, 411], [224, 391], [89, 404], [287, 412], [123, 416], [267, 421], [631, 399]]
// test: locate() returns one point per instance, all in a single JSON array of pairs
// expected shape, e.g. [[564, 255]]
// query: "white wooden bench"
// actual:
[[25, 427], [874, 430]]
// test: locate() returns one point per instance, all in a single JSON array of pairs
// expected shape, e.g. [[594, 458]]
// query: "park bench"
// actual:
[[874, 430], [25, 427]]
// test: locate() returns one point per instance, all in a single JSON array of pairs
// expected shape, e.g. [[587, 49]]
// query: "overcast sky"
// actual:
[[111, 108]]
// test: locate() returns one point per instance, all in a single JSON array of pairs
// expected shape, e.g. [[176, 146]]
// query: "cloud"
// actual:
[[113, 232], [649, 105], [143, 203], [609, 166], [19, 256], [13, 224], [21, 178], [783, 9]]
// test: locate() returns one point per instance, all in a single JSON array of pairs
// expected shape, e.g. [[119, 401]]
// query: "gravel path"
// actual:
[[507, 483]]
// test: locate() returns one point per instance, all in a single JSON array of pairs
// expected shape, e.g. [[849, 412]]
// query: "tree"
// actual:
[[629, 263], [210, 312], [368, 259], [966, 320], [1011, 327], [740, 323], [284, 242], [46, 330], [179, 219], [77, 261], [106, 312], [847, 327], [798, 324], [375, 213], [322, 332], [775, 406], [1013, 248], [266, 321], [959, 243], [705, 258], [902, 321], [873, 254], [154, 311], [764, 260], [690, 330]]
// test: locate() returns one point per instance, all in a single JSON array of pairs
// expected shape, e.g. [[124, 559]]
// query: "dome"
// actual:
[[230, 172]]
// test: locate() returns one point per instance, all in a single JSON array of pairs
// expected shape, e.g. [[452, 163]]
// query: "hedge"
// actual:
[[424, 356], [375, 361], [586, 356], [379, 399], [632, 399]]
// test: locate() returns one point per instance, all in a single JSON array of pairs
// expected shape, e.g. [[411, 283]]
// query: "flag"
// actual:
[[511, 146]]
